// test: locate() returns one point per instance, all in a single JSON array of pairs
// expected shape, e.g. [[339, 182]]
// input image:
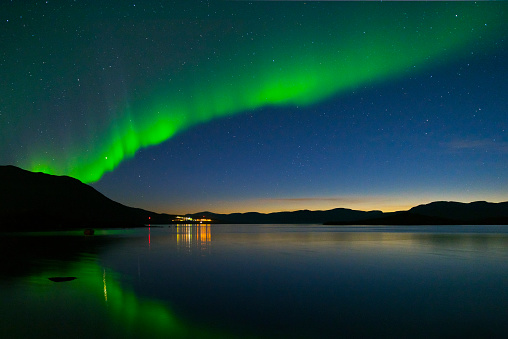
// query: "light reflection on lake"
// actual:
[[194, 237], [258, 281]]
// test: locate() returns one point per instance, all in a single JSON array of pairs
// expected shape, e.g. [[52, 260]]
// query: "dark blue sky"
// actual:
[[434, 128], [438, 135]]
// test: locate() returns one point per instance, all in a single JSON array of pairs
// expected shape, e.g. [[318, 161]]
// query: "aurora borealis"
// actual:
[[226, 105]]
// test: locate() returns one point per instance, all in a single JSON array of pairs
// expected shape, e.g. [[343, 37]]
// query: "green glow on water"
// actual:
[[324, 57], [104, 307]]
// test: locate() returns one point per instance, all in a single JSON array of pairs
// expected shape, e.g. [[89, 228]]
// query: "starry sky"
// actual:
[[236, 106]]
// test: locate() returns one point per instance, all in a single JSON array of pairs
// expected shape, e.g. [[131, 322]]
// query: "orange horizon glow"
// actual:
[[379, 203]]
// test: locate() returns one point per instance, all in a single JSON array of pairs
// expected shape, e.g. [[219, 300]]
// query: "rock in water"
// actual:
[[89, 231], [61, 279]]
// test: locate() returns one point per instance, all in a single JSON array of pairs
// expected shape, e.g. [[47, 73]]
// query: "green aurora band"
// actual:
[[324, 54]]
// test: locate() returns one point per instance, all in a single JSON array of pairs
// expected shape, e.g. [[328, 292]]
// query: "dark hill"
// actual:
[[37, 201], [474, 212], [435, 213], [441, 213], [296, 217]]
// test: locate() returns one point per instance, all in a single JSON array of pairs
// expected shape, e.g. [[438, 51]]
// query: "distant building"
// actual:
[[180, 219]]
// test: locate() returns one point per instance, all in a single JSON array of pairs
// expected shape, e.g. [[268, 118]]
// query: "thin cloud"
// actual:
[[317, 199], [477, 145]]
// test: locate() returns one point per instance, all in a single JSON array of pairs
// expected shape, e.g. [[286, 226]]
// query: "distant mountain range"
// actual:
[[435, 213], [37, 201], [295, 217]]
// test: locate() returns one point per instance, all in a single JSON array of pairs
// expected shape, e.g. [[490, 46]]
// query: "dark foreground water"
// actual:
[[269, 281]]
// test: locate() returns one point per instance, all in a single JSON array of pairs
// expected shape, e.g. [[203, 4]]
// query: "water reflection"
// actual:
[[98, 303], [193, 237], [105, 286], [279, 281]]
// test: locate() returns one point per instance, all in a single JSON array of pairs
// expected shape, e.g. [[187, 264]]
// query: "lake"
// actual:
[[257, 281]]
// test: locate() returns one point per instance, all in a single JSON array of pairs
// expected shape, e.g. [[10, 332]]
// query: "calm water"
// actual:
[[270, 281]]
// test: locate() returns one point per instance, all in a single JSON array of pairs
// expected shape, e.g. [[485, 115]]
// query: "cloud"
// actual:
[[317, 199], [360, 202], [477, 145]]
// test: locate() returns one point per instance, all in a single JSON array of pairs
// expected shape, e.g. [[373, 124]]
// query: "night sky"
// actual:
[[259, 106]]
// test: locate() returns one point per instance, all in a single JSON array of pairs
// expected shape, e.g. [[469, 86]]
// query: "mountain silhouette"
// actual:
[[474, 212], [441, 213], [435, 213], [38, 201], [295, 217]]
